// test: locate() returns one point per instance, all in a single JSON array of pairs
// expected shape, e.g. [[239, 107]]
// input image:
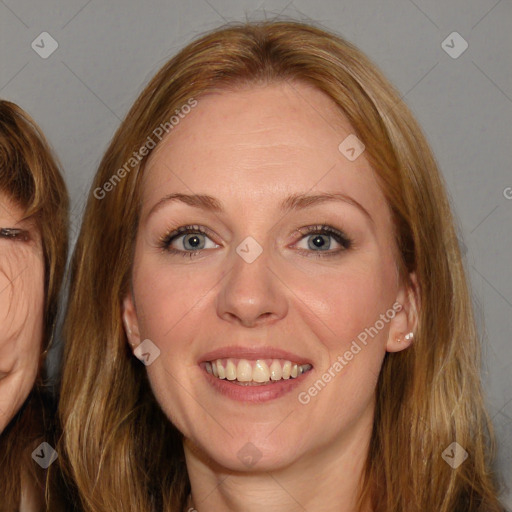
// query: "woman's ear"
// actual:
[[403, 326], [130, 321]]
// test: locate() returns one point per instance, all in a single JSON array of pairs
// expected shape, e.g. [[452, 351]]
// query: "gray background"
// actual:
[[107, 51]]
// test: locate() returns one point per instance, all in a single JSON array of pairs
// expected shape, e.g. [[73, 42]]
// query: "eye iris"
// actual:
[[196, 241], [319, 242]]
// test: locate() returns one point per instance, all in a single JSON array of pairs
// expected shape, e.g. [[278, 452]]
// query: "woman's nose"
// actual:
[[251, 293]]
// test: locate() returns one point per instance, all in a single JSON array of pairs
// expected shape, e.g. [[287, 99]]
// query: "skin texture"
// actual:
[[250, 149], [21, 310]]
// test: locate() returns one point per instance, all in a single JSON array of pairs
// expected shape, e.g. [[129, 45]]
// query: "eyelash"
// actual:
[[320, 229], [14, 234]]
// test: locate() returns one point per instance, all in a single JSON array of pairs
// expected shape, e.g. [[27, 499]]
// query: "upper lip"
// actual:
[[240, 352]]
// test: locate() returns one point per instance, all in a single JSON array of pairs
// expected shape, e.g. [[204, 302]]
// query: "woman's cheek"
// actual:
[[21, 314], [166, 294], [14, 315], [346, 301]]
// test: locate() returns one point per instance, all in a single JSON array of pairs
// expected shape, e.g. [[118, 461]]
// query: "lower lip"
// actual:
[[257, 394]]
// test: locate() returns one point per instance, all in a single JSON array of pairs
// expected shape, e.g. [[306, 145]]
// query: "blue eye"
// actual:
[[318, 238], [195, 243], [194, 240]]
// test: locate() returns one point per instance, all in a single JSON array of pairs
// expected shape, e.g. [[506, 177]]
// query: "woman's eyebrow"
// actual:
[[300, 201], [293, 202]]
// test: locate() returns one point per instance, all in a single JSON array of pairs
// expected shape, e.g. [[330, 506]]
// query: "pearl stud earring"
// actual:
[[408, 337]]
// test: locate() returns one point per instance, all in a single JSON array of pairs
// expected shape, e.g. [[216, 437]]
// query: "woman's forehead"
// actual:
[[13, 215], [280, 113], [10, 211], [257, 140]]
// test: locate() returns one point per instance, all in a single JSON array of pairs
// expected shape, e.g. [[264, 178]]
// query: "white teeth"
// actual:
[[276, 372], [259, 371], [244, 371], [230, 370], [221, 371], [287, 368]]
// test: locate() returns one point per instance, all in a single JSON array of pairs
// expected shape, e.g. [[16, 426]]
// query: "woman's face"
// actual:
[[249, 285], [21, 307]]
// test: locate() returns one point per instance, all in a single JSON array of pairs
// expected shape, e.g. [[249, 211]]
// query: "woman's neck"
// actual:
[[31, 499], [326, 480]]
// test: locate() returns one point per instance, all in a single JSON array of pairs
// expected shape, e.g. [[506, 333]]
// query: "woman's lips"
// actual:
[[254, 373], [248, 380]]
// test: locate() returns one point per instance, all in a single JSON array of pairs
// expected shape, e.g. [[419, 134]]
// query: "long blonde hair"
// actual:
[[119, 452], [30, 176]]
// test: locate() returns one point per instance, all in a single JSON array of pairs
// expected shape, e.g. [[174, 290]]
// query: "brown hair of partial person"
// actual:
[[30, 177], [121, 453]]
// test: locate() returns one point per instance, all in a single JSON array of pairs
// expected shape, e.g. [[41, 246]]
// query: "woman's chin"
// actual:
[[243, 455]]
